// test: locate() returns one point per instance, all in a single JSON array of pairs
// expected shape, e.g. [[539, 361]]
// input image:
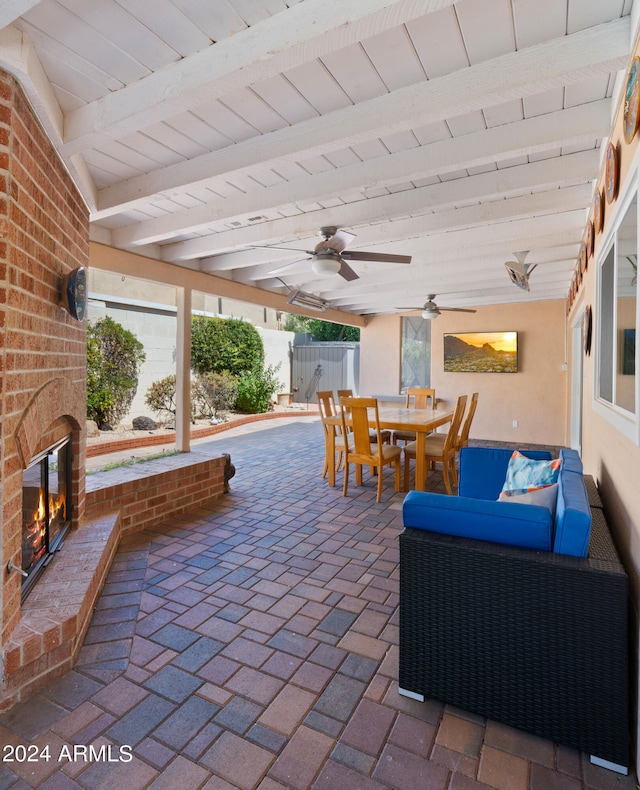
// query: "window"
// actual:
[[416, 353], [616, 381]]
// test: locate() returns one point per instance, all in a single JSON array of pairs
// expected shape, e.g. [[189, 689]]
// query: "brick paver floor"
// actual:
[[253, 644]]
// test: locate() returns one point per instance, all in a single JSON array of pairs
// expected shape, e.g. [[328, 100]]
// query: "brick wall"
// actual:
[[44, 234], [146, 495]]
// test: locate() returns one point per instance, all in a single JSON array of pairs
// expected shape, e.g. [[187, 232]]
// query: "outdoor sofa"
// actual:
[[501, 615]]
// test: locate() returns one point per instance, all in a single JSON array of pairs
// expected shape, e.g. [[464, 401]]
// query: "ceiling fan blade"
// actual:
[[274, 247], [410, 308], [287, 266], [456, 309], [381, 257], [339, 240], [347, 272]]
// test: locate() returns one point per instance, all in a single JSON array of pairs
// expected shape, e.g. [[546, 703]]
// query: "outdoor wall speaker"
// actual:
[[74, 293]]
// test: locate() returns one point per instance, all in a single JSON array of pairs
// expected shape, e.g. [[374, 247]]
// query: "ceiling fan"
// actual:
[[519, 271], [329, 256], [431, 310]]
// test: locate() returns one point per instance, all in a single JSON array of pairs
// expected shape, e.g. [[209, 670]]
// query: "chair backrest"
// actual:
[[418, 397], [450, 443], [463, 439], [360, 411], [326, 404], [344, 394]]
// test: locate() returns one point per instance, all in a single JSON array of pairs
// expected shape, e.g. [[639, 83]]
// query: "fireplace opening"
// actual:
[[46, 509]]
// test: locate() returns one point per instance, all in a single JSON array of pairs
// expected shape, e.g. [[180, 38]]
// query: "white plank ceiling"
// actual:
[[453, 132]]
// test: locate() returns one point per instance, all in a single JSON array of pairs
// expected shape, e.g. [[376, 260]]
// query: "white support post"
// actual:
[[183, 370]]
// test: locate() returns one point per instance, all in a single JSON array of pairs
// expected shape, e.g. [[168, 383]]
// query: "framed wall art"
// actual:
[[611, 174], [481, 352], [631, 96]]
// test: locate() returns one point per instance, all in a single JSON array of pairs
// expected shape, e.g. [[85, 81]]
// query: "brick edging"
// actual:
[[117, 445]]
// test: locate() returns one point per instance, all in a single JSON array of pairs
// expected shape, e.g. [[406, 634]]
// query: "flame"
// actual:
[[40, 512], [55, 506]]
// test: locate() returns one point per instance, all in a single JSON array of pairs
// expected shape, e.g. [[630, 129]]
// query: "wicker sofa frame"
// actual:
[[535, 640]]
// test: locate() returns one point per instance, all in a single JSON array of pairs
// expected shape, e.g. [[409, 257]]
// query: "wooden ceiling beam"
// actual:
[[301, 33], [567, 60]]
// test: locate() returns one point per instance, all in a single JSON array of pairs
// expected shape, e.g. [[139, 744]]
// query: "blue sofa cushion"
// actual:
[[571, 461], [511, 523], [573, 516], [483, 470]]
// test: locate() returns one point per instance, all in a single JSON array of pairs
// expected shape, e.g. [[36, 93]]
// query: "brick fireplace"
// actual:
[[44, 235]]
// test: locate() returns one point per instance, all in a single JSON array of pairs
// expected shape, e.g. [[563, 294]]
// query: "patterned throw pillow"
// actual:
[[526, 474]]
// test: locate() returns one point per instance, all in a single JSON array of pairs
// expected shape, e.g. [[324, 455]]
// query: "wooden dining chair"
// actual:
[[463, 438], [386, 435], [327, 406], [440, 448], [416, 398], [362, 451], [419, 397]]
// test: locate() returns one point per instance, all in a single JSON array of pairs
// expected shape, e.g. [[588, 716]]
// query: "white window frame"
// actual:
[[621, 419]]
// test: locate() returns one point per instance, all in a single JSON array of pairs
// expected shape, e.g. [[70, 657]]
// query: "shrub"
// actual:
[[114, 359], [224, 344], [214, 392], [161, 396], [256, 388], [99, 399], [210, 393]]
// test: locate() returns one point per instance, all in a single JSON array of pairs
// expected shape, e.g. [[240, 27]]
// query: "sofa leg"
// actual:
[[411, 694], [620, 769]]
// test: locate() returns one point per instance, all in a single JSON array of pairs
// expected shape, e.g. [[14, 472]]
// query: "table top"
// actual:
[[402, 418], [399, 418]]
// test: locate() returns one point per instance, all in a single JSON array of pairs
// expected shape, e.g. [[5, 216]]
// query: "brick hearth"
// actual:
[[55, 617]]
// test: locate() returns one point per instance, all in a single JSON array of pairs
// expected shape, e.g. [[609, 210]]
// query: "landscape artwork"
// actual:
[[481, 352]]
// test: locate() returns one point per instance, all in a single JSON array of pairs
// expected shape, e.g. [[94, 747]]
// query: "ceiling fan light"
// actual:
[[326, 265], [430, 314]]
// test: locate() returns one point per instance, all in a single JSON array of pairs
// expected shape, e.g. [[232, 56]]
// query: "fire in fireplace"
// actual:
[[46, 516]]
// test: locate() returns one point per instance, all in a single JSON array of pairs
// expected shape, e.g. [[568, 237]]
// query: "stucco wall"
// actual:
[[612, 458], [536, 396]]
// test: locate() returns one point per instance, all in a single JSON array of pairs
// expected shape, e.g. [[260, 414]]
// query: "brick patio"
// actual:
[[254, 645]]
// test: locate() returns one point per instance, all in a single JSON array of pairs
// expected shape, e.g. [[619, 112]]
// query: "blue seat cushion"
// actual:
[[511, 523]]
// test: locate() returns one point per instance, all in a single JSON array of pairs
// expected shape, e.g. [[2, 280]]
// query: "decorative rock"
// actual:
[[143, 424], [92, 429]]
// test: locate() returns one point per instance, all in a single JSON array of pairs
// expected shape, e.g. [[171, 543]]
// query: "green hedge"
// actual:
[[224, 344]]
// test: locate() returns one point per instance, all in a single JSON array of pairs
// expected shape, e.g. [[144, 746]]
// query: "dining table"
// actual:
[[397, 418]]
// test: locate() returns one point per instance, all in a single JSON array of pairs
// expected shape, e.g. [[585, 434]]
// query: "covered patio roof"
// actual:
[[457, 133]]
